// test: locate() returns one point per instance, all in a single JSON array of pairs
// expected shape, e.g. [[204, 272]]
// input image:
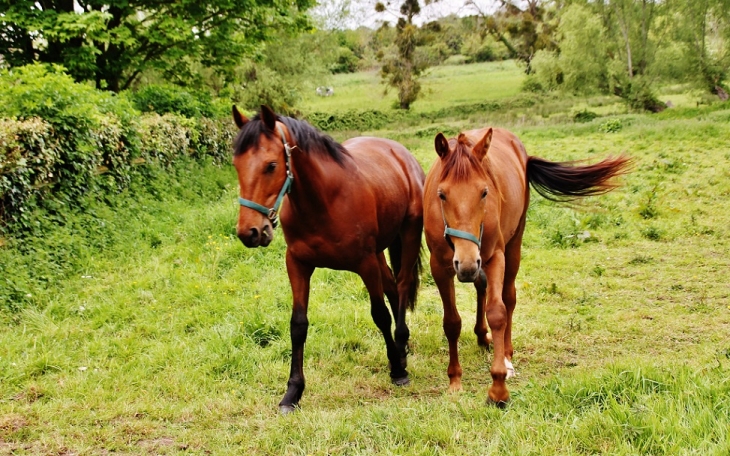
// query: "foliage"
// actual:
[[352, 120], [523, 27], [705, 33], [584, 67], [289, 66], [402, 68], [164, 99], [61, 141], [479, 49], [584, 116], [112, 43]]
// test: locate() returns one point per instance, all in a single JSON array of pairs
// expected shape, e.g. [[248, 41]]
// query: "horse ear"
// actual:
[[239, 118], [482, 147], [268, 116], [442, 145]]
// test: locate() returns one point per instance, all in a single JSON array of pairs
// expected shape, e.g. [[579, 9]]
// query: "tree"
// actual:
[[111, 42], [402, 69], [704, 29], [636, 30], [524, 27]]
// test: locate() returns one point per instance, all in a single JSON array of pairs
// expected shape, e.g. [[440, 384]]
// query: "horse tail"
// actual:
[[416, 282], [395, 252], [566, 181]]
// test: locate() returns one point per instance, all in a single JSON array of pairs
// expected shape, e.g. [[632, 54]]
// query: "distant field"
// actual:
[[145, 327], [442, 86]]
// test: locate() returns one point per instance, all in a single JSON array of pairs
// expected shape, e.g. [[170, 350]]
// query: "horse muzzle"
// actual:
[[256, 237], [467, 271]]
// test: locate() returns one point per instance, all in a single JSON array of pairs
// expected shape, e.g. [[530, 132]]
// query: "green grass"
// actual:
[[147, 327], [440, 87]]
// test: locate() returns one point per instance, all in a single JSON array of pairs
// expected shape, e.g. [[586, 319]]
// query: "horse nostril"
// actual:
[[479, 263], [456, 265], [254, 234]]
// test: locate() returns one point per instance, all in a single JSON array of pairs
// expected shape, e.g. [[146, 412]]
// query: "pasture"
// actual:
[[152, 330]]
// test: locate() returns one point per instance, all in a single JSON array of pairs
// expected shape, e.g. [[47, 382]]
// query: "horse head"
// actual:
[[262, 163], [464, 192]]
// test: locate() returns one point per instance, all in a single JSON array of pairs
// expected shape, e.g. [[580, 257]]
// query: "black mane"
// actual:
[[306, 137]]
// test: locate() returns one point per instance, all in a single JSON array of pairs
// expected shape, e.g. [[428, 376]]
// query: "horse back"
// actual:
[[389, 182], [388, 168]]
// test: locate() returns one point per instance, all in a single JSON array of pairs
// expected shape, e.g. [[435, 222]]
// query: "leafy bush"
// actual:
[[478, 49], [166, 99], [611, 126], [351, 120], [584, 116], [61, 141], [28, 157]]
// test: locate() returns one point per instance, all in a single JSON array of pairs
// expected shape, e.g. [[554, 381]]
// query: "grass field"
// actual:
[[146, 327], [441, 86]]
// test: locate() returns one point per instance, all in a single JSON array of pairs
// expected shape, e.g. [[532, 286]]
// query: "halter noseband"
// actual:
[[273, 212], [460, 234]]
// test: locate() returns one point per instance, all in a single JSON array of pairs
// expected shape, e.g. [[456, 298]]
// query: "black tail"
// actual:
[[396, 251], [566, 181], [413, 291]]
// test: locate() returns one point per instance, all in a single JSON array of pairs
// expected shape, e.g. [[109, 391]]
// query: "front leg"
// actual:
[[497, 319], [480, 328], [443, 275], [299, 276]]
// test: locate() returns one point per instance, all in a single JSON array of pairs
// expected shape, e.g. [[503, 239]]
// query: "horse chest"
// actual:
[[331, 250]]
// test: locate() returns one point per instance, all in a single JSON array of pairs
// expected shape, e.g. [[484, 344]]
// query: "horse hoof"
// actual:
[[499, 404], [402, 381], [286, 409]]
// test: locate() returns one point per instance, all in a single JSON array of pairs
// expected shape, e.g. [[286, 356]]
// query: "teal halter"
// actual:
[[460, 234], [273, 213]]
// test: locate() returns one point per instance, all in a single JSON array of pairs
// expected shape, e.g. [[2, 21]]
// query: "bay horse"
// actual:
[[340, 206], [475, 205]]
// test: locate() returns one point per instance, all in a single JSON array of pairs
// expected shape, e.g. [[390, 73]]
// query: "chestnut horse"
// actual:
[[475, 203], [341, 207]]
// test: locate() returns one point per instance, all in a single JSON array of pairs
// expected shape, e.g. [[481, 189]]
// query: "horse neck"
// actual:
[[316, 180]]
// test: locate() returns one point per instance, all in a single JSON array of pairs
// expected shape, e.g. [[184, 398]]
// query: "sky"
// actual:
[[362, 12]]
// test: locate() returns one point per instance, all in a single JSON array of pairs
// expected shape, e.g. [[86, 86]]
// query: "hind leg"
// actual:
[[407, 279], [391, 292], [371, 274]]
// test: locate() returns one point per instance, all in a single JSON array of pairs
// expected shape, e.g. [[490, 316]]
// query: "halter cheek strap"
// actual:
[[273, 212], [460, 234]]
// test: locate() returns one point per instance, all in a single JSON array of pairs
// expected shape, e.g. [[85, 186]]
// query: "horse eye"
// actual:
[[442, 196], [484, 193], [270, 167]]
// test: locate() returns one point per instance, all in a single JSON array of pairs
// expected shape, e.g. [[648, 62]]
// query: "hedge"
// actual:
[[61, 141], [371, 119]]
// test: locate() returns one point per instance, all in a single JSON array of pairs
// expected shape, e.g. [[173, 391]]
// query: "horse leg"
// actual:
[[512, 256], [497, 319], [391, 292], [299, 276], [370, 272], [480, 328], [444, 278], [407, 282]]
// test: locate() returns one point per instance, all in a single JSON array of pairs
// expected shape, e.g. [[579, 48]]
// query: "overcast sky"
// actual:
[[362, 12]]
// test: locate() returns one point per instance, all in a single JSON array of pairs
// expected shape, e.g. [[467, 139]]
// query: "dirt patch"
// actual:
[[11, 423]]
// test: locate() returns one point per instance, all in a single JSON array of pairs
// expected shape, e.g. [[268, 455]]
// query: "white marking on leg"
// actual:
[[510, 368]]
